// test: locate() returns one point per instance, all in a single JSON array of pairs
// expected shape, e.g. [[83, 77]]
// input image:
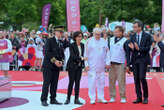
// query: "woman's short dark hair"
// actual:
[[76, 34]]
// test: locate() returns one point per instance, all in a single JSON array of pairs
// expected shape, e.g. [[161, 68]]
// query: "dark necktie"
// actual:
[[138, 39], [59, 43]]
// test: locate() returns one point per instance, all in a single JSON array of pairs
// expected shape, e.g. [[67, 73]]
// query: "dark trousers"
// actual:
[[162, 68], [74, 77], [139, 70], [50, 80]]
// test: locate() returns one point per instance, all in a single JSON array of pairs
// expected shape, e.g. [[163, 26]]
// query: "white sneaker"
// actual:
[[92, 102], [112, 100], [123, 100], [102, 101]]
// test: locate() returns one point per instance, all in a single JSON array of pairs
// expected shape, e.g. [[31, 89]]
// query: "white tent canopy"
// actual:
[[128, 26]]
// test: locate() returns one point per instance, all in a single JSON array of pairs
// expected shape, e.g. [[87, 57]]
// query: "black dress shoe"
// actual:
[[162, 105], [44, 103], [145, 101], [67, 102], [139, 100], [55, 102], [78, 102]]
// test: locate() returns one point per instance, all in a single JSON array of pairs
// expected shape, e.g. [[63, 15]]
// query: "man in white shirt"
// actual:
[[97, 53], [117, 70]]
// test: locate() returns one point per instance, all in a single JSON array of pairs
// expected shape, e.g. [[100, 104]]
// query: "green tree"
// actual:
[[28, 13]]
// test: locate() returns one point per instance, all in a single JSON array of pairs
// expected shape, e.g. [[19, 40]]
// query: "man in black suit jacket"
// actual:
[[52, 63], [138, 57]]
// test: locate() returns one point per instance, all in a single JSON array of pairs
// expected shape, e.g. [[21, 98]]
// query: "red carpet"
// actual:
[[155, 100], [156, 92]]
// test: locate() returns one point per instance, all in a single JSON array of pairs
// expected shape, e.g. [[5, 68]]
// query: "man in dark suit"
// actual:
[[52, 63], [138, 57]]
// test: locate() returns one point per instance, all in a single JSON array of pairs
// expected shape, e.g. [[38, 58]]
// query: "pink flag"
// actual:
[[73, 15], [45, 15], [162, 16]]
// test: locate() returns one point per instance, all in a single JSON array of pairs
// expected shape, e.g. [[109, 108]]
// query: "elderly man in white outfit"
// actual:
[[97, 53]]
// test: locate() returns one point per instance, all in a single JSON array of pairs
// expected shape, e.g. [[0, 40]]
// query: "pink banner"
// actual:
[[162, 16], [73, 15], [45, 15]]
